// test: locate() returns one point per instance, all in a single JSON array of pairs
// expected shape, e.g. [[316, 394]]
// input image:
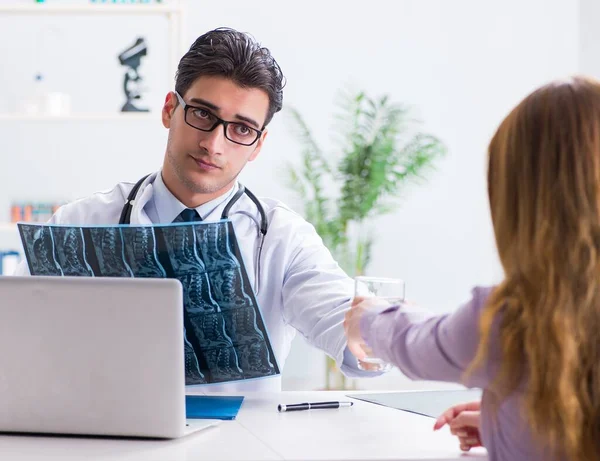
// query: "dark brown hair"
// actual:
[[544, 192], [237, 56]]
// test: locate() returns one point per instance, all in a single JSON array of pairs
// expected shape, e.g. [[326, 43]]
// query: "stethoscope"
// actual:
[[125, 218]]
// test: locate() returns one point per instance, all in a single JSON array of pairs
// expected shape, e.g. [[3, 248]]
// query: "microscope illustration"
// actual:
[[131, 58]]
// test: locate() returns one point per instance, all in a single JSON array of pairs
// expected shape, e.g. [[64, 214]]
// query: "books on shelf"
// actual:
[[32, 211]]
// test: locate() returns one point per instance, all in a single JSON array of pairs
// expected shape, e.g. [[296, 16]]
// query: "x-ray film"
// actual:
[[225, 338]]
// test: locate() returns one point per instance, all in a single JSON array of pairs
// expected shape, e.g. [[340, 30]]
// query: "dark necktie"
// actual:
[[188, 215]]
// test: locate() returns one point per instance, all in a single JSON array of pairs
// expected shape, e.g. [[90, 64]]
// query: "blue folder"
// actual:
[[212, 406]]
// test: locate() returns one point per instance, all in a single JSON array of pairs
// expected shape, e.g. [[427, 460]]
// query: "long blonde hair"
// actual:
[[544, 192]]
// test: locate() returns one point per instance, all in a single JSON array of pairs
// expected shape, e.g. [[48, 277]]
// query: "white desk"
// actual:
[[362, 432]]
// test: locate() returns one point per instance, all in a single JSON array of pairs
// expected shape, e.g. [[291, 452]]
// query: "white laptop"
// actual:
[[93, 356]]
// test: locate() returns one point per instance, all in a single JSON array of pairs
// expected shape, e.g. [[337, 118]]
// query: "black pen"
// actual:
[[315, 406]]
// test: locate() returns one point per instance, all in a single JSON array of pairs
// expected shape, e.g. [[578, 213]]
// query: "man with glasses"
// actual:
[[227, 90]]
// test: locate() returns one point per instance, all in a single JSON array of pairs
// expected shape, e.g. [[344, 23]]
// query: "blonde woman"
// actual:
[[532, 342]]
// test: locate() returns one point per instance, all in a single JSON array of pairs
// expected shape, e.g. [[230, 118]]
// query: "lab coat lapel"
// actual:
[[138, 214]]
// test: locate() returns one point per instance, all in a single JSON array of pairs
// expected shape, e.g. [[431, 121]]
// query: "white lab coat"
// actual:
[[301, 287]]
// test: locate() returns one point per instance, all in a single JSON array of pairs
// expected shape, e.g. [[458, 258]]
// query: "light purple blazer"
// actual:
[[441, 348]]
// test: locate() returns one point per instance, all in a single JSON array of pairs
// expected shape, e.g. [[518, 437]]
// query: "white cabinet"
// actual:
[[16, 144]]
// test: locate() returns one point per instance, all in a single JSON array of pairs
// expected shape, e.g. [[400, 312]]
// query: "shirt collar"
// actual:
[[168, 206]]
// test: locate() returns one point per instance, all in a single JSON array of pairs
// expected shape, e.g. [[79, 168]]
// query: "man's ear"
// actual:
[[259, 144], [168, 109]]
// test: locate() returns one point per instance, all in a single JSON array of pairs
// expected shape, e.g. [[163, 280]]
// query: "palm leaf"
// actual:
[[377, 158]]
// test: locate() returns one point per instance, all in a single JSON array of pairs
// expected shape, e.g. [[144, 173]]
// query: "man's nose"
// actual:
[[214, 141]]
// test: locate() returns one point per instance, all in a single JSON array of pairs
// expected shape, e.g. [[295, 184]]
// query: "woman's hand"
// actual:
[[360, 306], [464, 421]]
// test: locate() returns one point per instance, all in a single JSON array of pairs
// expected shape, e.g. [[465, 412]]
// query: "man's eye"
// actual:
[[201, 113], [242, 130]]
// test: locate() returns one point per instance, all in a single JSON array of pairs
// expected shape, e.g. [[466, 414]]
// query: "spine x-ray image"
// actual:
[[225, 338]]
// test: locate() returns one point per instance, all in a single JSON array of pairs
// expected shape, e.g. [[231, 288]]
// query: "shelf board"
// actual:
[[90, 8], [119, 116]]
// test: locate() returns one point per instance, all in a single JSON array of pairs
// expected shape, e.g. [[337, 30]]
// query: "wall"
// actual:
[[589, 37], [461, 64]]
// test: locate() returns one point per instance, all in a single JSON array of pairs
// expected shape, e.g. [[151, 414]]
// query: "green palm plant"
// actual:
[[378, 153]]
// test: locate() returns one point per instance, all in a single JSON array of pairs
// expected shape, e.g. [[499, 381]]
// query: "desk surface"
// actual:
[[362, 432]]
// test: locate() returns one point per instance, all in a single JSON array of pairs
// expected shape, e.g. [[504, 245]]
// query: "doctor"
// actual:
[[227, 90]]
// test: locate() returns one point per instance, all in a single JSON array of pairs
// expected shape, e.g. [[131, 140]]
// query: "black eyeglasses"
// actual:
[[203, 120]]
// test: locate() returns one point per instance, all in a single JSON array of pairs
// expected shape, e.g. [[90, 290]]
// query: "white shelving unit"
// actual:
[[90, 7], [173, 10], [83, 117], [8, 227]]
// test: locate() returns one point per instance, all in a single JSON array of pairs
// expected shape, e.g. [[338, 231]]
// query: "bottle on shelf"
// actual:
[[34, 104], [45, 102]]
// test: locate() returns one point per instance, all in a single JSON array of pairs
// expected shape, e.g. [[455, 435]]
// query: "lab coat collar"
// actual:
[[212, 210], [168, 207]]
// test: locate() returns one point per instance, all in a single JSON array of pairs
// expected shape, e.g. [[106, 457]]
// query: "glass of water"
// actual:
[[390, 289]]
